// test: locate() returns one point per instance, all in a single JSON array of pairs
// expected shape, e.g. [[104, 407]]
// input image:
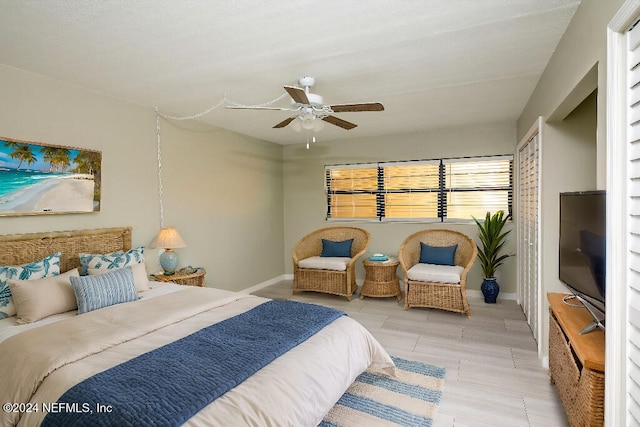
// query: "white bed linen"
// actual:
[[9, 328], [296, 389]]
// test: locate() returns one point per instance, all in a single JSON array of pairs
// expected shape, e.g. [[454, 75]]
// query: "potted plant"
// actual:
[[493, 239]]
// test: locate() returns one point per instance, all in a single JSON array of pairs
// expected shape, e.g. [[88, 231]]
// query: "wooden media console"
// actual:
[[576, 362]]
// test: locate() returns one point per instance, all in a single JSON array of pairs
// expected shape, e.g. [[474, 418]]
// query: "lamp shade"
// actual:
[[168, 238]]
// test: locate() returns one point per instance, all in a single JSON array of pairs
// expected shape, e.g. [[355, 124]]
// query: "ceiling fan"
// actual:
[[309, 110]]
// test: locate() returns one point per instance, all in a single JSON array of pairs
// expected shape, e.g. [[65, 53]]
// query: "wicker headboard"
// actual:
[[17, 249]]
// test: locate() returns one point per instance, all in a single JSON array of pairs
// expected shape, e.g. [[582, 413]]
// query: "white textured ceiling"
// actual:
[[432, 63]]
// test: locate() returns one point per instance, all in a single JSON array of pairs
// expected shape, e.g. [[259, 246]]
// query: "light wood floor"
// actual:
[[493, 374]]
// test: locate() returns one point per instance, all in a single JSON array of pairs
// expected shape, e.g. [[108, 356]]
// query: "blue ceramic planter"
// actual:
[[490, 290]]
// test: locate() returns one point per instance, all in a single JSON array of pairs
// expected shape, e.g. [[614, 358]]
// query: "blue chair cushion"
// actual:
[[336, 249], [439, 255]]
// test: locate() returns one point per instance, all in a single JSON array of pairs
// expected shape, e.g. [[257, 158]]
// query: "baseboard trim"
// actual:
[[502, 295], [545, 362], [267, 283]]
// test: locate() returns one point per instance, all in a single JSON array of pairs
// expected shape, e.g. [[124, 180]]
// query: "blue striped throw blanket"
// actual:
[[169, 385]]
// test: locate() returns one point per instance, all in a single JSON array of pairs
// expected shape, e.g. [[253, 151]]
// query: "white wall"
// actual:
[[222, 191], [305, 195]]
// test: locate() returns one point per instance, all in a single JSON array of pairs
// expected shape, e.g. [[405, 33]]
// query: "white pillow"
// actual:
[[435, 273], [140, 277], [40, 298]]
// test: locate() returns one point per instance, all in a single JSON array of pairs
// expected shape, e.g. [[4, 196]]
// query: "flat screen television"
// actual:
[[582, 250]]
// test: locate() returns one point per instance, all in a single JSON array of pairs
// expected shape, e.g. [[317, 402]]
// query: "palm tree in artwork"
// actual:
[[12, 144], [62, 160], [22, 152], [58, 158], [87, 162]]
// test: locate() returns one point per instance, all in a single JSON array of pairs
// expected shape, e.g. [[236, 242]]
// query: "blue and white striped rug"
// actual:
[[375, 399]]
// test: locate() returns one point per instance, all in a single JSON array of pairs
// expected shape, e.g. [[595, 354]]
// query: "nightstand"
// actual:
[[193, 279]]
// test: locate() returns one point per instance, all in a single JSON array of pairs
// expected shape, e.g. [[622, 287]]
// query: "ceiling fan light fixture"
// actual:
[[311, 122], [308, 122], [296, 125]]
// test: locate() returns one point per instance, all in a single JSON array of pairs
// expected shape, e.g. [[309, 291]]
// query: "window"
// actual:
[[437, 190]]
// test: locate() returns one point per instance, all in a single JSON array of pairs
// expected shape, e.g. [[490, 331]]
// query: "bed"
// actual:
[[153, 347]]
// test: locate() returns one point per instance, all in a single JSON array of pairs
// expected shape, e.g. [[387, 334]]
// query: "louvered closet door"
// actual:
[[528, 219], [633, 225]]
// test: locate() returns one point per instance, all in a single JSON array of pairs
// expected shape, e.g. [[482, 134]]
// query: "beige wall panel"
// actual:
[[222, 191]]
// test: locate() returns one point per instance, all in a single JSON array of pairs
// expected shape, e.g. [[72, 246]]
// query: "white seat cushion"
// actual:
[[435, 273], [325, 263]]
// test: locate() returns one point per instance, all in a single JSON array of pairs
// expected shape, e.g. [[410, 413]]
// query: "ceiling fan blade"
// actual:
[[365, 106], [339, 122], [233, 107], [297, 94], [284, 123]]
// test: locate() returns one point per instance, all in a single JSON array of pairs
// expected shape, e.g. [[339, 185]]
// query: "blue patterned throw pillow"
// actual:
[[111, 261], [46, 267], [103, 290]]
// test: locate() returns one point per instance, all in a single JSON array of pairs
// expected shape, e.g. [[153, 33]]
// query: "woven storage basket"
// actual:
[[581, 389]]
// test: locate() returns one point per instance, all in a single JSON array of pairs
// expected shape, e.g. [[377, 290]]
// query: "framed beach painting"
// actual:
[[37, 178]]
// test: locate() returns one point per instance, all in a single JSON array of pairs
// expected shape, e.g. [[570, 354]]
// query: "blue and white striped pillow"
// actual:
[[103, 290], [46, 267]]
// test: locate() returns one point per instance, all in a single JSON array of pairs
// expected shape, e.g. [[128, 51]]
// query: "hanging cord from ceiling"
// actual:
[[223, 101], [159, 168]]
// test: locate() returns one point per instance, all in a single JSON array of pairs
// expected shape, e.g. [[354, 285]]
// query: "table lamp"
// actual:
[[169, 239]]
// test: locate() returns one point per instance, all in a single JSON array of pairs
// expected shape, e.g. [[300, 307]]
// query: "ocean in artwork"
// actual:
[[14, 181]]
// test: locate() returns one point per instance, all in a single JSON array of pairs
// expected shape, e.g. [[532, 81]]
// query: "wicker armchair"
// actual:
[[328, 281], [445, 296]]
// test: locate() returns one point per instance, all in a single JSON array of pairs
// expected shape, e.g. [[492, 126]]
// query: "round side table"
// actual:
[[380, 279]]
